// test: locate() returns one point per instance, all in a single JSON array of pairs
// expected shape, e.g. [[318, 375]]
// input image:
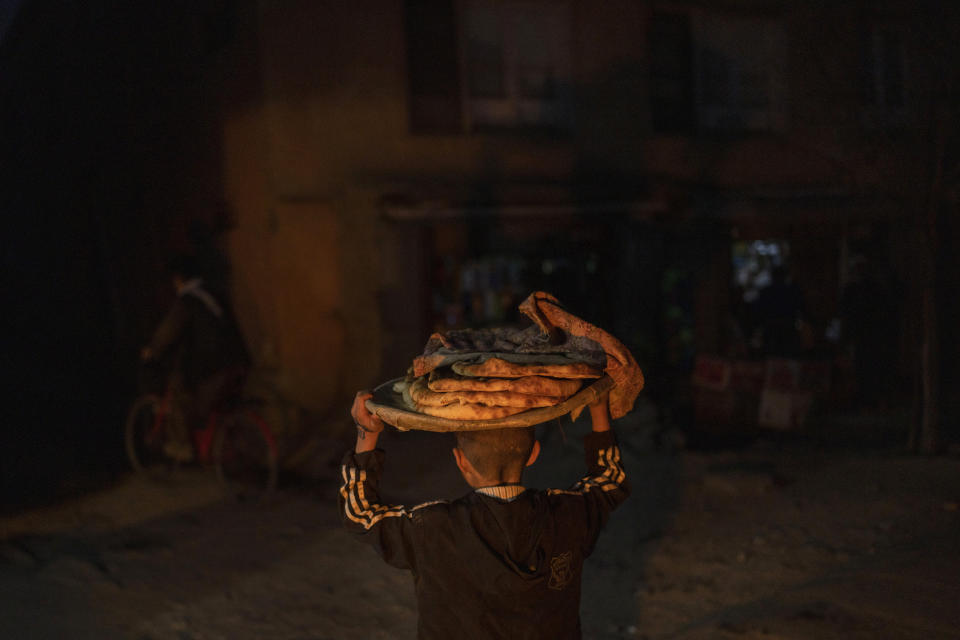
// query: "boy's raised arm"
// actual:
[[605, 485], [600, 414], [386, 527], [368, 425]]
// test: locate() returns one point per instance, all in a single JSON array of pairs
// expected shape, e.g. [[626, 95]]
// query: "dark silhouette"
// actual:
[[869, 326], [200, 336], [778, 311]]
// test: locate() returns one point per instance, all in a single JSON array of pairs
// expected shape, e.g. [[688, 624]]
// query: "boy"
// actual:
[[210, 355], [502, 561]]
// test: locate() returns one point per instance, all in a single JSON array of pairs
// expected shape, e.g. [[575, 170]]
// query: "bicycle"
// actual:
[[236, 441]]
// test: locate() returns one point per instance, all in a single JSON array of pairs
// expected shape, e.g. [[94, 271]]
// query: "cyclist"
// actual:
[[209, 356]]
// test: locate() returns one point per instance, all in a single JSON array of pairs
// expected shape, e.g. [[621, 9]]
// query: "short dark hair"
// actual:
[[184, 265], [497, 452]]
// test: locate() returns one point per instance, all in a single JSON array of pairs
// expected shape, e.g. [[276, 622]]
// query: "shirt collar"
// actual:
[[506, 492], [194, 287], [190, 286]]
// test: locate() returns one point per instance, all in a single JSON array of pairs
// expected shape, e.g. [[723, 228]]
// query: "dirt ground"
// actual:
[[776, 540]]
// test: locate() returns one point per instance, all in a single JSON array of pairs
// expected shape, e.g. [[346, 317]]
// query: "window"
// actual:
[[516, 58], [739, 72], [487, 64], [716, 72]]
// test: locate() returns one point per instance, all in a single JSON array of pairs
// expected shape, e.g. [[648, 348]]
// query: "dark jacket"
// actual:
[[485, 567], [203, 335]]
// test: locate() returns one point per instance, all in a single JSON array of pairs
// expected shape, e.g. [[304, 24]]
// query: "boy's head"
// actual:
[[495, 456], [182, 267]]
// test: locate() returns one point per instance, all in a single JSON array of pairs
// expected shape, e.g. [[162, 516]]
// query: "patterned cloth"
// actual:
[[545, 310], [528, 345]]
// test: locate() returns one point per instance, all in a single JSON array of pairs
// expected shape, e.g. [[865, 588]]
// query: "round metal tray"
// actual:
[[388, 405]]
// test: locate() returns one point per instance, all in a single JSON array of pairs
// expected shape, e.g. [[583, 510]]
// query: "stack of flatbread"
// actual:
[[491, 386], [497, 372]]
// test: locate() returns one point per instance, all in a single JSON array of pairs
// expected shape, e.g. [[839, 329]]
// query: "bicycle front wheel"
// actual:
[[145, 433], [245, 456]]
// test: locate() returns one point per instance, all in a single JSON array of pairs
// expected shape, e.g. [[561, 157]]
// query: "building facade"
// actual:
[[403, 166]]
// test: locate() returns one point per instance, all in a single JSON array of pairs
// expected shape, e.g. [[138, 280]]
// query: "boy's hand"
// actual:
[[599, 413], [361, 416], [369, 426]]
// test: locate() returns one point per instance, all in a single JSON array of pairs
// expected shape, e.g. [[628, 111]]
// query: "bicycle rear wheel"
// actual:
[[146, 431], [245, 456]]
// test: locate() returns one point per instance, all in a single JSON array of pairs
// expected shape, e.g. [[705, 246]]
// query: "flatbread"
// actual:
[[424, 397], [499, 368], [441, 380], [471, 411]]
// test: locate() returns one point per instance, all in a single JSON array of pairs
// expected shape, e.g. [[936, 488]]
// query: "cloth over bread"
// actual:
[[500, 368], [545, 310], [527, 345]]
